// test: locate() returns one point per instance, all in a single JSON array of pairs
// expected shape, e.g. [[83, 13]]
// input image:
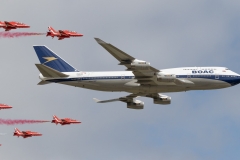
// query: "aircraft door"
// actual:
[[189, 76], [216, 76]]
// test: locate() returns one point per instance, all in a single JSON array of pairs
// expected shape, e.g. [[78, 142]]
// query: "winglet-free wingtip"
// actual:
[[96, 100], [99, 40]]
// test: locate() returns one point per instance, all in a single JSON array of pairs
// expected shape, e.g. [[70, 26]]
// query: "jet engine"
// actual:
[[164, 77], [139, 64], [162, 100], [136, 104]]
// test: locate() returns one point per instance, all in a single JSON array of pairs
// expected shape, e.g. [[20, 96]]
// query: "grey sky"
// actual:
[[197, 125]]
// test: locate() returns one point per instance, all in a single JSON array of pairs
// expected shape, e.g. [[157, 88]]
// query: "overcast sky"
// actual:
[[168, 33]]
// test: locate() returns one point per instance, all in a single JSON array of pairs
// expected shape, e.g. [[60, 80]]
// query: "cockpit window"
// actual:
[[226, 69]]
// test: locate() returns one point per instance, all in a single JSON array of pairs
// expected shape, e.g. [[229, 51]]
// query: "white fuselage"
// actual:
[[204, 78]]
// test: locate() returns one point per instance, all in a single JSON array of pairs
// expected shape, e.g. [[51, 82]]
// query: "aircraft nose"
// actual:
[[236, 80]]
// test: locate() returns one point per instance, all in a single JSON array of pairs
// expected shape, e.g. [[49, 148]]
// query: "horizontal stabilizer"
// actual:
[[49, 72], [111, 100], [43, 82]]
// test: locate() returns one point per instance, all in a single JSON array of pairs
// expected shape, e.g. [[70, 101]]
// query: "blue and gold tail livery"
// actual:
[[52, 60]]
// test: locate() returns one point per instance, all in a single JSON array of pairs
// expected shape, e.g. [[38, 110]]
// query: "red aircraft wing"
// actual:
[[5, 106], [60, 38], [64, 33], [10, 24]]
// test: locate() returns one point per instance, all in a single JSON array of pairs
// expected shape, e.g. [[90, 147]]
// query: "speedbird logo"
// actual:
[[49, 59]]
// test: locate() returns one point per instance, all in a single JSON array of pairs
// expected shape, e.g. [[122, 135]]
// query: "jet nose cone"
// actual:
[[236, 80], [79, 34]]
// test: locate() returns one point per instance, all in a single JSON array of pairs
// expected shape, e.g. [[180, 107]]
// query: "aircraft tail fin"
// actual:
[[17, 131], [52, 60], [51, 29], [57, 120]]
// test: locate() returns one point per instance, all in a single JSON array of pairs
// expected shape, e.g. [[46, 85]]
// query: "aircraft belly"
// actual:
[[118, 85], [110, 83], [95, 86], [155, 89]]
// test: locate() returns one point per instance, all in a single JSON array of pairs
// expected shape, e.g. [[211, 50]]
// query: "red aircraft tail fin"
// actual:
[[57, 120], [52, 30], [17, 132]]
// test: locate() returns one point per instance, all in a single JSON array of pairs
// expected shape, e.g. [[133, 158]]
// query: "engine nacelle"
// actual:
[[139, 64], [136, 104], [162, 100], [165, 77]]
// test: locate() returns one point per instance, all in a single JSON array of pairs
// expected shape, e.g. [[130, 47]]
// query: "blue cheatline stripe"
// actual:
[[231, 79]]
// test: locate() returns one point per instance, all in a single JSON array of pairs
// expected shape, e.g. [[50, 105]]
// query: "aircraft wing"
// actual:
[[26, 133], [60, 38], [8, 24], [130, 97], [63, 33], [126, 99], [137, 104], [140, 69], [129, 100]]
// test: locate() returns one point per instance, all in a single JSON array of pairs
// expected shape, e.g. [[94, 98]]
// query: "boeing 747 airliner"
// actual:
[[139, 79]]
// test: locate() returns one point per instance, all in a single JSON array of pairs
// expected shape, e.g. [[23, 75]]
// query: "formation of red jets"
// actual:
[[26, 134], [61, 34]]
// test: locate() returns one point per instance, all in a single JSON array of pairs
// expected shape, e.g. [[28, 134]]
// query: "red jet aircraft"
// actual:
[[5, 106], [25, 134], [12, 25], [61, 34], [64, 121]]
